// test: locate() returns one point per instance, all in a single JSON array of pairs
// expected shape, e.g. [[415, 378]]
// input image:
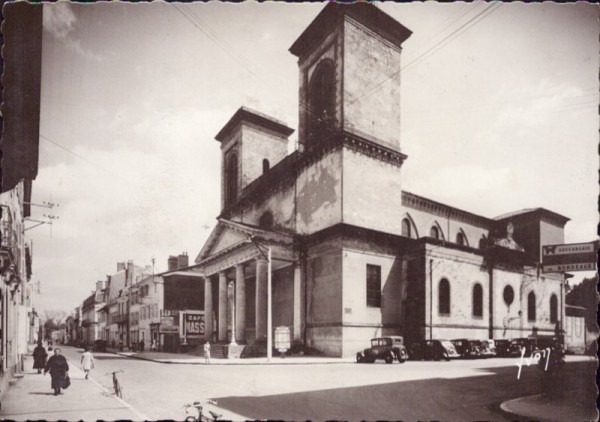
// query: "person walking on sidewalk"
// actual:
[[58, 367], [87, 362], [142, 345], [39, 357], [207, 352]]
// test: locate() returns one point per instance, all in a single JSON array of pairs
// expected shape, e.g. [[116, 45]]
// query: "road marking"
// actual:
[[139, 414]]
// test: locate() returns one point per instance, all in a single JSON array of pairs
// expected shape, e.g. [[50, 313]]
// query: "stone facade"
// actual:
[[352, 255]]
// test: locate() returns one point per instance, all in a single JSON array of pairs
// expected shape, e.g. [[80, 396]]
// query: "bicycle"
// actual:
[[116, 385], [199, 406]]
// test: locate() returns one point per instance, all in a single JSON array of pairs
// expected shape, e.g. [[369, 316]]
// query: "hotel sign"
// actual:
[[569, 257]]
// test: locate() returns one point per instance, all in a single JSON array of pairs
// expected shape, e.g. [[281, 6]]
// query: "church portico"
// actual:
[[236, 282]]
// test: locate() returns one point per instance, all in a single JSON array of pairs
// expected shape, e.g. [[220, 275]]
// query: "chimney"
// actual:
[[183, 260], [99, 285], [120, 266], [172, 263], [129, 276]]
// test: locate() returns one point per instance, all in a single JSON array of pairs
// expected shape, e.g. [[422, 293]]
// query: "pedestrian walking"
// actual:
[[39, 357], [207, 352], [142, 345], [87, 362], [153, 345], [59, 368]]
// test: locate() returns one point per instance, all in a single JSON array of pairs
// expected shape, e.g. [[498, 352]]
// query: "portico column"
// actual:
[[240, 303], [261, 299], [208, 310], [222, 306], [297, 303]]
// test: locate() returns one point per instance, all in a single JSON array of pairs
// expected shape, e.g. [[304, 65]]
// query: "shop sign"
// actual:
[[192, 324], [282, 338], [168, 325]]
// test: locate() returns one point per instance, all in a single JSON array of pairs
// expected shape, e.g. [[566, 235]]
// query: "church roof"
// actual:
[[561, 219], [365, 13], [245, 114]]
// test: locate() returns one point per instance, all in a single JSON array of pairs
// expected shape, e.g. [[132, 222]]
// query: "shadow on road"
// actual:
[[36, 393], [468, 398]]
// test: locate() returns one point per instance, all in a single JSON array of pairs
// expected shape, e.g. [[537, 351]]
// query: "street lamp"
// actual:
[[269, 310]]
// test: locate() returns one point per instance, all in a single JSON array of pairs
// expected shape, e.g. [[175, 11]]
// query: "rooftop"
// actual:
[[245, 114]]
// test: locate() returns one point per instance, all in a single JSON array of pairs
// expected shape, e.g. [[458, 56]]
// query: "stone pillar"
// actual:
[[297, 332], [208, 310], [261, 299], [222, 321], [240, 303], [231, 311]]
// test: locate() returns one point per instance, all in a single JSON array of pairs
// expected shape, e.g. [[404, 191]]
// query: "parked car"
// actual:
[[487, 348], [507, 348], [388, 348], [100, 346], [519, 343], [433, 350], [467, 349]]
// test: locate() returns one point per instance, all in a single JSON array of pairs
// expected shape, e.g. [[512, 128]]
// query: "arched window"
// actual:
[[553, 309], [231, 179], [434, 232], [266, 166], [477, 300], [321, 102], [266, 220], [509, 295], [406, 232], [444, 297], [460, 239], [531, 306]]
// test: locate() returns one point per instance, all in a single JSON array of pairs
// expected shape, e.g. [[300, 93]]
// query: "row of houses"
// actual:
[[134, 307]]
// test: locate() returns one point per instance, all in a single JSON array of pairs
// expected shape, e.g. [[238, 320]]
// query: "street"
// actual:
[[456, 390]]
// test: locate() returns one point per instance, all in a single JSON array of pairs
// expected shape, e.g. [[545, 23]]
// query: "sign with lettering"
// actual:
[[569, 257], [192, 324], [168, 325]]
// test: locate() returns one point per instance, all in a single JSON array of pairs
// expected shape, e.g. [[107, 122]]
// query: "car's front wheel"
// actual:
[[389, 358], [403, 356]]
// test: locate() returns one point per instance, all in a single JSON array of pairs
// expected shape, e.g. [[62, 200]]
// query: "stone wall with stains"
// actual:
[[259, 144], [319, 194], [463, 270], [371, 105], [361, 322], [372, 193], [324, 297], [281, 204]]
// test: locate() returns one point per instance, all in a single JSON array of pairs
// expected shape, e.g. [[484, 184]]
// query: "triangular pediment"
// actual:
[[223, 236]]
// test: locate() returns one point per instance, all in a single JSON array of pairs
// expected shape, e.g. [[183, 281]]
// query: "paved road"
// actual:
[[457, 390]]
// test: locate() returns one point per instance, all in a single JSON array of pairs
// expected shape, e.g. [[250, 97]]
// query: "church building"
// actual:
[[353, 256]]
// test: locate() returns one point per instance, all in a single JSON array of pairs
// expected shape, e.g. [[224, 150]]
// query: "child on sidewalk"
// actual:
[[87, 361]]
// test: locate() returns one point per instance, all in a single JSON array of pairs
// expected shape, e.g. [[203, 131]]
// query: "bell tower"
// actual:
[[349, 63]]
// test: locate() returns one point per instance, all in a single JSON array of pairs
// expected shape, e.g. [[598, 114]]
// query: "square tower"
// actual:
[[349, 62]]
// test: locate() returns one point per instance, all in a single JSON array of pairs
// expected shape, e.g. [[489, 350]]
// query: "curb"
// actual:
[[504, 407], [214, 363]]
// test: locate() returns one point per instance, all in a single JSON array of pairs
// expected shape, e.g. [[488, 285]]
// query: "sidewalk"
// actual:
[[541, 408], [31, 398], [574, 397], [182, 358]]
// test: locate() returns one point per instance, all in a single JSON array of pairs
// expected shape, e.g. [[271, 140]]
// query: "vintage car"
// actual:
[[529, 344], [388, 348], [433, 350], [467, 349], [100, 346], [504, 348], [487, 348]]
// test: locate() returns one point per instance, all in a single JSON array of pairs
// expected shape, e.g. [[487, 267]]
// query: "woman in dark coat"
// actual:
[[58, 367], [39, 357]]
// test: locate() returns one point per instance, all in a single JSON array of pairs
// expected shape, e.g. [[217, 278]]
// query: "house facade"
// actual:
[[353, 256]]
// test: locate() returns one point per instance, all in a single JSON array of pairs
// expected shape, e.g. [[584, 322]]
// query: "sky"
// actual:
[[499, 113]]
